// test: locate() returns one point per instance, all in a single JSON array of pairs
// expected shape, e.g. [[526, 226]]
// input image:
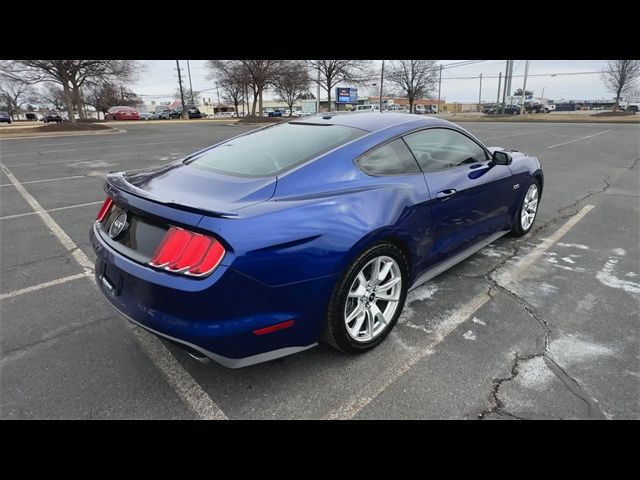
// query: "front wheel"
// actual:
[[527, 211], [368, 299]]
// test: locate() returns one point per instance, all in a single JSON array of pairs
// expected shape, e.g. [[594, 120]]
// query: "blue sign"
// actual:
[[347, 95]]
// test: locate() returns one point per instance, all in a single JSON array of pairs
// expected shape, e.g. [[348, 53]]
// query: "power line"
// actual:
[[530, 75]]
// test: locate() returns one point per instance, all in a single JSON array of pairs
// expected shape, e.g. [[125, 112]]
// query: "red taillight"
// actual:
[[274, 328], [189, 253], [104, 210]]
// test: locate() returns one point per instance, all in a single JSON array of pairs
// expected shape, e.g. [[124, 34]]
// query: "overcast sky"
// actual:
[[160, 79]]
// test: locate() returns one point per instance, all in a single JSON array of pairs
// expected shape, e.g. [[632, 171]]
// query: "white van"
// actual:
[[366, 108]]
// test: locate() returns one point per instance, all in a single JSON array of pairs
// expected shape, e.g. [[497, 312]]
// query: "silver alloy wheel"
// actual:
[[373, 299], [529, 207]]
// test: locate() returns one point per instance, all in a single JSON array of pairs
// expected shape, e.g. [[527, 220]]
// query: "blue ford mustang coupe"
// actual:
[[314, 229]]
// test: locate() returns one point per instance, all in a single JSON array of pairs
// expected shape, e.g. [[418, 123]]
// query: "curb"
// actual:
[[63, 134]]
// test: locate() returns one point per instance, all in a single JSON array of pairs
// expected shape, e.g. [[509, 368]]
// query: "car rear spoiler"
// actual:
[[118, 181]]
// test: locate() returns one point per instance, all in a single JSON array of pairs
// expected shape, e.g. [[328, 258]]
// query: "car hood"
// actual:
[[193, 188]]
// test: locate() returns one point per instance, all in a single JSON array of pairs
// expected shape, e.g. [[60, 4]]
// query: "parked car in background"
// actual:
[[259, 246], [145, 115], [275, 113], [366, 108], [164, 114], [191, 109], [5, 117], [122, 113], [31, 117], [508, 109], [489, 106], [300, 113], [52, 117], [533, 106], [422, 109]]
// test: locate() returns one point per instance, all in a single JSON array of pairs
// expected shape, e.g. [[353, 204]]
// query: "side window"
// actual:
[[393, 158], [441, 148]]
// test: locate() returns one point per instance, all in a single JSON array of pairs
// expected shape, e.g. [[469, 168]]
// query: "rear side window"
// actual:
[[275, 149], [441, 148], [393, 158]]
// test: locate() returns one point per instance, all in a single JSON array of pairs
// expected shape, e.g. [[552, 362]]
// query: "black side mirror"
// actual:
[[500, 157]]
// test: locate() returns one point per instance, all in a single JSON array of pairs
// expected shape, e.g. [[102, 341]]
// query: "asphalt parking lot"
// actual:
[[546, 326]]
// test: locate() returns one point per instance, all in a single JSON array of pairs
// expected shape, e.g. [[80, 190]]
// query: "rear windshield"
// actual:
[[275, 149]]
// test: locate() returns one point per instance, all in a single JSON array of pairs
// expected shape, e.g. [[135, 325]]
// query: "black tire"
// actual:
[[516, 228], [335, 330]]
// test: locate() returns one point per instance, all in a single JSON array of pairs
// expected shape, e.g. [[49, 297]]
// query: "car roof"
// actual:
[[370, 122]]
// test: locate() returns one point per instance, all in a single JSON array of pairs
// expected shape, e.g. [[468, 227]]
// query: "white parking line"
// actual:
[[47, 180], [90, 141], [578, 139], [51, 283], [17, 215], [374, 388], [528, 132], [184, 384], [511, 275], [93, 148]]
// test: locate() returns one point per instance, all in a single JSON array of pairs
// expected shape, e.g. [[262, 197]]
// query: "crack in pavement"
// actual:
[[572, 385], [14, 353]]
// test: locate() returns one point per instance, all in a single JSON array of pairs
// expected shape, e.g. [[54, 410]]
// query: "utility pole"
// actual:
[[439, 88], [185, 111], [218, 94], [318, 92], [524, 87], [510, 78], [499, 83], [504, 91], [381, 84], [480, 95], [121, 94], [543, 91], [190, 86]]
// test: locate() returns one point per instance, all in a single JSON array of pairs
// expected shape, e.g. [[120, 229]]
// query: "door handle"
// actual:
[[446, 193]]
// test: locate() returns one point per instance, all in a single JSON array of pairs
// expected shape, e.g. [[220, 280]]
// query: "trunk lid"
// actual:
[[192, 188]]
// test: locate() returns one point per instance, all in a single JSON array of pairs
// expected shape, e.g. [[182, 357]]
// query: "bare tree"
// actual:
[[14, 94], [262, 74], [71, 75], [53, 96], [233, 79], [188, 97], [414, 78], [334, 72], [291, 82], [620, 77], [104, 95]]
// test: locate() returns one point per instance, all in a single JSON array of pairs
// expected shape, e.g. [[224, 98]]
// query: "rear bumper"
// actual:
[[217, 315]]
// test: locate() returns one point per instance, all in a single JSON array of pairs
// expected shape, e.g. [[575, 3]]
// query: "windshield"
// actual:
[[274, 149]]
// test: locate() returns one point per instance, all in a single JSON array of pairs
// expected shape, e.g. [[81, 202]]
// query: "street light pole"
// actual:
[[381, 83], [185, 111], [480, 95], [439, 89], [318, 91], [218, 94], [190, 85], [524, 87], [506, 80]]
